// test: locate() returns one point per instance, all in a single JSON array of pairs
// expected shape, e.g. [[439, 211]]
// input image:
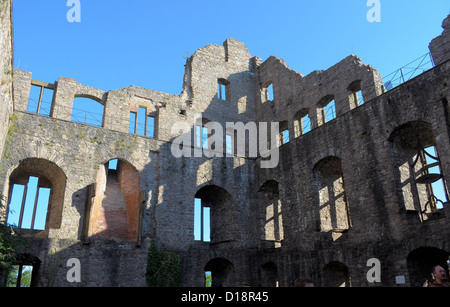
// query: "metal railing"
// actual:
[[409, 71]]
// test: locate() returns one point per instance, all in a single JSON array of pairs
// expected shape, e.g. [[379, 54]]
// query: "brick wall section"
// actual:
[[129, 186]]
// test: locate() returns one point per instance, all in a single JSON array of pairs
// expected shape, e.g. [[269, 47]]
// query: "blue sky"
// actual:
[[144, 43]]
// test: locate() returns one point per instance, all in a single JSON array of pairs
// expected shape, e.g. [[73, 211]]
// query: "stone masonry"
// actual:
[[343, 192]]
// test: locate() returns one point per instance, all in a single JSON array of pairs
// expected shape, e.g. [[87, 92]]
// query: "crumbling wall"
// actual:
[[271, 226], [6, 69], [440, 46], [295, 93]]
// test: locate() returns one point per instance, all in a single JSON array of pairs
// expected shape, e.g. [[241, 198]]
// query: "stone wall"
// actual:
[[380, 223], [338, 197], [6, 68], [440, 46]]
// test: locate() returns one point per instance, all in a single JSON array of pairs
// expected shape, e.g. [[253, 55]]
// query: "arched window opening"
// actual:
[[269, 275], [302, 123], [336, 274], [356, 97], [36, 195], [332, 198], [326, 110], [421, 262], [87, 111], [420, 181]]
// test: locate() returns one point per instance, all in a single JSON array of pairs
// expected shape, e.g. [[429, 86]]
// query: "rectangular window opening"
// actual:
[[40, 100], [306, 124], [112, 164], [360, 98], [133, 121], [29, 205], [437, 186], [221, 91], [141, 121], [20, 276], [208, 279], [201, 221], [269, 92], [330, 111], [285, 136], [150, 127], [229, 144]]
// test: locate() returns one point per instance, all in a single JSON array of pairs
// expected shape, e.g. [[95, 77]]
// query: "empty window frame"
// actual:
[[29, 204], [306, 124], [41, 98], [201, 137], [229, 144], [429, 180], [331, 195], [302, 123], [223, 89], [356, 97], [438, 187], [132, 123], [214, 215], [284, 133], [141, 123], [20, 276], [202, 227], [267, 93], [420, 180], [272, 213], [330, 111], [326, 109]]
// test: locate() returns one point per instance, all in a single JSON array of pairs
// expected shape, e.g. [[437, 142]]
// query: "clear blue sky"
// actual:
[[144, 43]]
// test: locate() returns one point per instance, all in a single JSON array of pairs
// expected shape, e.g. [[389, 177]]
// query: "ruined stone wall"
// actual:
[[6, 68], [295, 94], [380, 225], [440, 46], [81, 152], [338, 196]]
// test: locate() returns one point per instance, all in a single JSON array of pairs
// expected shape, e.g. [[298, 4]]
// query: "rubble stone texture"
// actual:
[[341, 194]]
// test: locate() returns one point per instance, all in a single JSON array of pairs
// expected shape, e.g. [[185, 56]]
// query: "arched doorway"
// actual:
[[421, 261], [221, 272]]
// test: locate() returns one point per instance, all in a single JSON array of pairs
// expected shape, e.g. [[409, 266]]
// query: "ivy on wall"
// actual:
[[163, 268]]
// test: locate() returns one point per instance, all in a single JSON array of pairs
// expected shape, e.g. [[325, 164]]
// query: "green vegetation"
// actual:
[[163, 268]]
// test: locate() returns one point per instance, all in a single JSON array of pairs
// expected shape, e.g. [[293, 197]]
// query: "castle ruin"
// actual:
[[350, 185]]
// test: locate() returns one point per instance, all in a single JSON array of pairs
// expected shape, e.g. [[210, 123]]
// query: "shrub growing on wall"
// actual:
[[163, 268]]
